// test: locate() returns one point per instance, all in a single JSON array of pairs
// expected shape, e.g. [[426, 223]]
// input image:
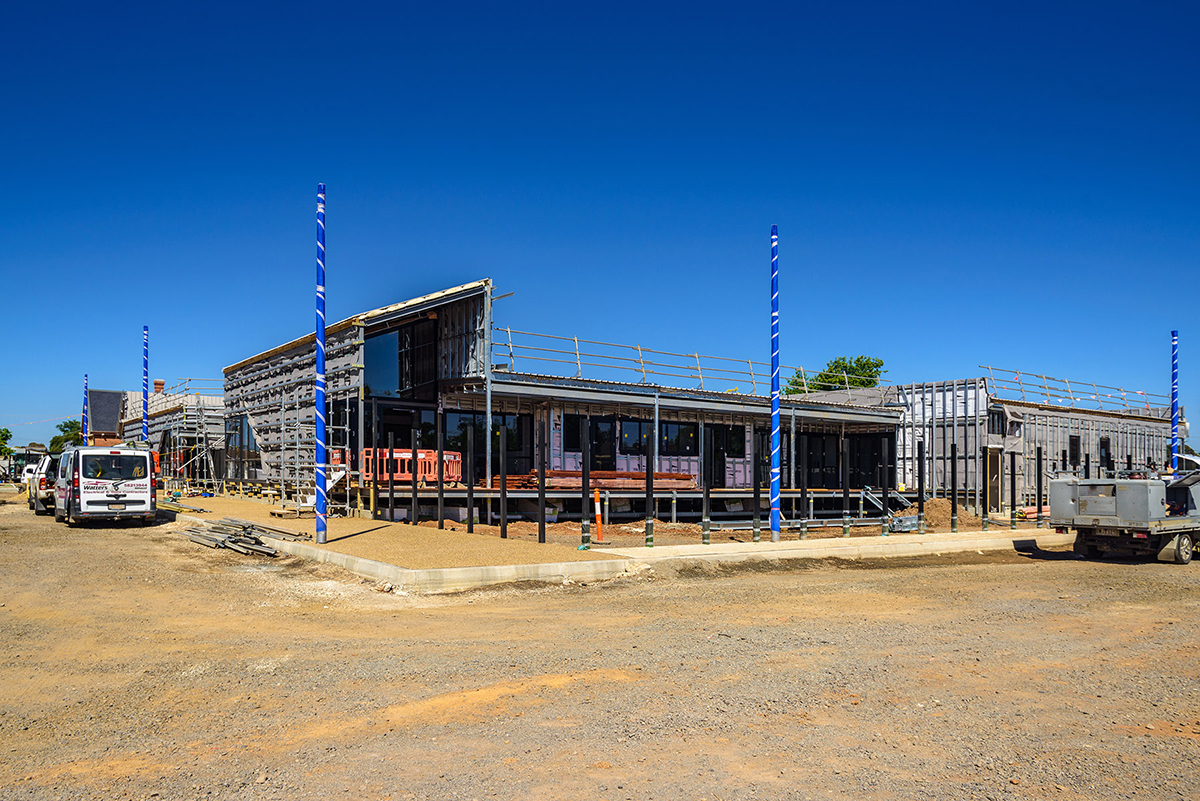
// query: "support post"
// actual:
[[921, 486], [954, 487], [803, 473], [319, 401], [585, 502], [502, 431], [416, 502], [884, 484], [650, 449], [705, 522], [391, 474], [374, 461], [440, 433], [469, 469], [541, 479], [1012, 490], [845, 487], [1063, 463], [83, 427], [983, 488], [757, 482], [775, 466], [1087, 464], [1039, 488]]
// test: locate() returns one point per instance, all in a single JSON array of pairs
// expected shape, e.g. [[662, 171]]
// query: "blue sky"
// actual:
[[955, 184]]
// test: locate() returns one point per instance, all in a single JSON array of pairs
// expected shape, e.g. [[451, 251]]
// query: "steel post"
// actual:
[[803, 472], [1012, 489], [953, 486], [921, 486], [416, 502], [319, 400], [440, 433], [469, 477], [541, 479], [585, 442], [1039, 488], [502, 432], [775, 466], [983, 488]]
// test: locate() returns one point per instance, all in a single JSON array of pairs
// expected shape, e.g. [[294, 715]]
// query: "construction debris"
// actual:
[[176, 506], [242, 536]]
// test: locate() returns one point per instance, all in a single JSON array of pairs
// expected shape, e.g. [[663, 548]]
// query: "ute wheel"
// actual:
[[1183, 549]]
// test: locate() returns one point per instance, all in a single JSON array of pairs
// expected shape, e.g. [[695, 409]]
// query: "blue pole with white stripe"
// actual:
[[1174, 400], [775, 471], [145, 383], [84, 427], [322, 500]]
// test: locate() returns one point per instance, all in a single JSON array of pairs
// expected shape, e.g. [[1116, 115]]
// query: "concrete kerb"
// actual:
[[635, 560]]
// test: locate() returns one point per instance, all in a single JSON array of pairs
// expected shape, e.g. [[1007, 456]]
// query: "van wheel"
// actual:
[[1183, 549], [58, 516]]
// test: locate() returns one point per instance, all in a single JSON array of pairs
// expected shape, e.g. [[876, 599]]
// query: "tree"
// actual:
[[5, 436], [69, 433], [857, 371]]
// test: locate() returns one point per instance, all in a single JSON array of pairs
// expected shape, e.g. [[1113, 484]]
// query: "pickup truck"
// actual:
[[1130, 514]]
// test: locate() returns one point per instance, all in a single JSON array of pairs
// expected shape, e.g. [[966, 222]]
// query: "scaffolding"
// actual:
[[186, 430]]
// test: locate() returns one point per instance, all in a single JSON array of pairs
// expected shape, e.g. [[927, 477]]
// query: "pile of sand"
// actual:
[[937, 514]]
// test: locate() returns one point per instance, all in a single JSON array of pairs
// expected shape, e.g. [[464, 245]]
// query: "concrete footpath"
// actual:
[[635, 560]]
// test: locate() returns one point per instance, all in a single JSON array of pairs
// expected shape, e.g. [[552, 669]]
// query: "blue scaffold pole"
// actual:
[[145, 383], [1174, 400], [775, 471], [84, 427], [322, 499]]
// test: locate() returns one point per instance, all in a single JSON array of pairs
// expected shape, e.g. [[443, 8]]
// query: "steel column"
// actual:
[[319, 401]]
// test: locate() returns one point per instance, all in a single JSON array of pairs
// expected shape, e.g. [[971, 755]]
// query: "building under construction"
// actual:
[[477, 400], [988, 426], [186, 425]]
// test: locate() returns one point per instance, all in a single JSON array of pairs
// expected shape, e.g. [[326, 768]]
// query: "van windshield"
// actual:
[[108, 467]]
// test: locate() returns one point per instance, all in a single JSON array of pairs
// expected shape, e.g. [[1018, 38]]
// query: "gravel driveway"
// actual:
[[137, 664]]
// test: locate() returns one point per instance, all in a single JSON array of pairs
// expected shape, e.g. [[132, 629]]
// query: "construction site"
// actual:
[[509, 424]]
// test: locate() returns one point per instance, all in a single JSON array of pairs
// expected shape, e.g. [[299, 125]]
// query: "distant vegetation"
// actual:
[[69, 433], [857, 371]]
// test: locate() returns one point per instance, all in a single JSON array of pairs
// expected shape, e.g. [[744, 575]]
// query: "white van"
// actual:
[[97, 483]]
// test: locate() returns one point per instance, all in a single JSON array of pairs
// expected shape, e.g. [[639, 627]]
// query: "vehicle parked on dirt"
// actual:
[[113, 483], [26, 475], [1131, 512], [41, 484]]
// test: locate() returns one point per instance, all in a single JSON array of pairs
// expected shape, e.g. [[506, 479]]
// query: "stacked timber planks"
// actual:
[[600, 479], [242, 536]]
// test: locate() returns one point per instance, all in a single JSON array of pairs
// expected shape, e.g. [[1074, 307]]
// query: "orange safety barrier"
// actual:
[[398, 465]]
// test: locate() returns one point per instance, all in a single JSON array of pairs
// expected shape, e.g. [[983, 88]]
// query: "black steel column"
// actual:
[[983, 489], [541, 480], [921, 486], [885, 483], [416, 503], [754, 476], [391, 473], [1065, 466], [440, 432], [954, 486], [705, 508], [585, 442], [470, 476], [1129, 462], [1012, 489], [1039, 487], [374, 462], [651, 450], [845, 487], [1087, 465], [802, 469], [502, 431]]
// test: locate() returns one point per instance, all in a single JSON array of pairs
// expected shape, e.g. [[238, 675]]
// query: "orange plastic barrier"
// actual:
[[398, 465]]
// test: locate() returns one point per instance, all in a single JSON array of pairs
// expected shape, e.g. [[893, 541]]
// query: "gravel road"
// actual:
[[136, 664]]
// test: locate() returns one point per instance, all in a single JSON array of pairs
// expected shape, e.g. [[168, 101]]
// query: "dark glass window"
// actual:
[[996, 422], [573, 433], [735, 441], [634, 434], [382, 365], [678, 439]]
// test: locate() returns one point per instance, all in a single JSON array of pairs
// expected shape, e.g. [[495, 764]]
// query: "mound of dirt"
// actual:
[[937, 514]]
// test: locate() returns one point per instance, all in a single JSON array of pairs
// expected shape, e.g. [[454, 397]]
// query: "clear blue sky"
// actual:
[[955, 184]]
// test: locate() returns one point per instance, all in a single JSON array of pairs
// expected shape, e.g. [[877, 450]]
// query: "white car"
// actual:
[[41, 484], [96, 482]]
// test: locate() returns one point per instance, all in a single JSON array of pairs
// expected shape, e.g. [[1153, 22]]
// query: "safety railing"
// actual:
[[1088, 395]]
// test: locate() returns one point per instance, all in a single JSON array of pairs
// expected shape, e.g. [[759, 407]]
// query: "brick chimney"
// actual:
[[159, 386]]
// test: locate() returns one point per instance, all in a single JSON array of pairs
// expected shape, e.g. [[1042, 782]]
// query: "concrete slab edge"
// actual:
[[457, 579]]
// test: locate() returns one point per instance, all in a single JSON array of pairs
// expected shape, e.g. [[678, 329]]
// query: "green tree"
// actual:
[[5, 436], [858, 371], [69, 433]]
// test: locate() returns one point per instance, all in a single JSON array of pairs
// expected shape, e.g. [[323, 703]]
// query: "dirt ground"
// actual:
[[136, 665], [426, 547]]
